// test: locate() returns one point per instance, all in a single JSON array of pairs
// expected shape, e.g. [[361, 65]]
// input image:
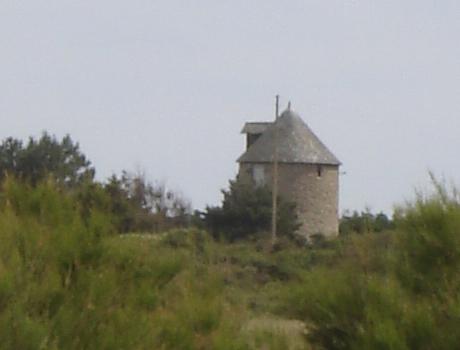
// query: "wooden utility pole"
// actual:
[[275, 174]]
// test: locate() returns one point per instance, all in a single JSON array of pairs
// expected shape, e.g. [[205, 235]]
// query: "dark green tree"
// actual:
[[46, 156], [247, 210], [364, 222]]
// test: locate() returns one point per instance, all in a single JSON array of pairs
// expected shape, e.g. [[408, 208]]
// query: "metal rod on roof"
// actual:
[[275, 175]]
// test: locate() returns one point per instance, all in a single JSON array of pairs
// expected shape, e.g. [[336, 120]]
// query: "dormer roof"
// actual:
[[255, 127]]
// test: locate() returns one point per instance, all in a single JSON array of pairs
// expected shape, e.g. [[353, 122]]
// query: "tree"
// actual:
[[364, 222], [247, 210], [141, 205], [44, 157]]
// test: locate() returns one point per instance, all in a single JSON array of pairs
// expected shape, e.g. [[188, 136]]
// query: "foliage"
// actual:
[[400, 290], [45, 156], [134, 203], [430, 255], [246, 210], [141, 205], [66, 282], [364, 222]]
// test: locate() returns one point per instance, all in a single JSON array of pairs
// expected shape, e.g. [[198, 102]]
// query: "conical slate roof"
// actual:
[[296, 144]]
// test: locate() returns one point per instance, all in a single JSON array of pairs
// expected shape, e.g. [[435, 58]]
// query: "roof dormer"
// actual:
[[253, 131]]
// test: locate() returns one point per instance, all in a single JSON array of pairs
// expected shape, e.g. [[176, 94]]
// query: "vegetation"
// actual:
[[247, 210], [70, 280], [139, 205], [397, 290], [67, 280], [41, 158], [364, 222]]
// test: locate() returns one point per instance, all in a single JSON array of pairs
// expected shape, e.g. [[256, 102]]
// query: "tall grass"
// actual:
[[68, 282], [397, 291]]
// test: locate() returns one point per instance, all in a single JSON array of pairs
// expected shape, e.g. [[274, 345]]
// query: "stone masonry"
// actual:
[[312, 187]]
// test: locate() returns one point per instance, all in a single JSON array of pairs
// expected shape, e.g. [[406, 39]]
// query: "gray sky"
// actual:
[[167, 85]]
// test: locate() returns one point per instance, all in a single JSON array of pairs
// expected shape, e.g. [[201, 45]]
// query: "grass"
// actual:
[[68, 282]]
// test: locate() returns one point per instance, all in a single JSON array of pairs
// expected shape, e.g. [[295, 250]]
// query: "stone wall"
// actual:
[[314, 189]]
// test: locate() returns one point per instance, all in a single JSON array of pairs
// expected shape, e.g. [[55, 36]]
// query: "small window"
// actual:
[[259, 175], [319, 170]]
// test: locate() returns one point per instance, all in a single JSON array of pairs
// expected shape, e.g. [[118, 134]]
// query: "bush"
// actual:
[[364, 222], [396, 292], [67, 282], [429, 259], [247, 210]]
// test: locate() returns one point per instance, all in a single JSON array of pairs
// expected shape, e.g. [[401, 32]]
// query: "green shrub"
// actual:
[[247, 210], [430, 243], [66, 282], [364, 222], [399, 290]]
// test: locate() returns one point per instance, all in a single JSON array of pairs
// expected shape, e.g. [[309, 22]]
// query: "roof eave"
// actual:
[[240, 160]]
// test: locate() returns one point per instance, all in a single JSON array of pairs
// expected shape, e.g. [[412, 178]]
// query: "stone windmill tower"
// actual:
[[308, 173]]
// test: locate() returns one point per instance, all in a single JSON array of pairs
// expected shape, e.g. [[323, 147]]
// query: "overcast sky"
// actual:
[[165, 86]]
